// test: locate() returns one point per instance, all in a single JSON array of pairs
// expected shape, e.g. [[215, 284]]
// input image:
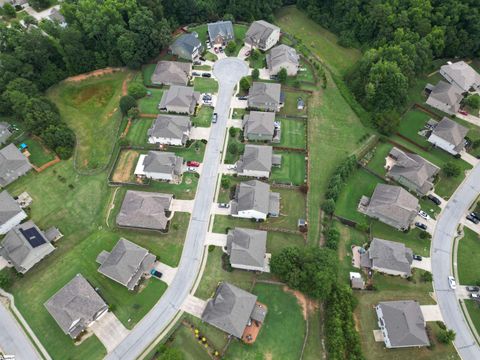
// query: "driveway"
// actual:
[[239, 104], [442, 200], [470, 118], [168, 272], [470, 225], [42, 14], [220, 211], [109, 330], [228, 71], [228, 169], [264, 74], [431, 224], [431, 313], [236, 123], [472, 160], [200, 133], [424, 264], [243, 50], [194, 306], [462, 292], [182, 205], [216, 239]]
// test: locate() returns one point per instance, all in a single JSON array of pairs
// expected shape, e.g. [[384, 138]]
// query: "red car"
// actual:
[[247, 53], [463, 112], [193, 163]]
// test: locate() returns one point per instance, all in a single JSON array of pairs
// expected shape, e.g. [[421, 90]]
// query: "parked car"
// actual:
[[223, 205], [209, 46], [472, 219], [193, 163], [214, 118], [475, 215], [231, 167], [247, 53], [194, 73], [475, 296], [421, 226], [452, 283], [206, 75], [243, 98], [197, 62], [216, 50], [202, 58], [273, 77], [463, 112], [424, 215], [192, 169], [434, 199], [473, 288], [417, 257], [207, 98], [220, 49], [156, 273]]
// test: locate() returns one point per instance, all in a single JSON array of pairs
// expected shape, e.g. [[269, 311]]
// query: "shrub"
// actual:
[[451, 169], [332, 236], [6, 279], [282, 75], [233, 131], [244, 84], [9, 10], [126, 103], [329, 206], [255, 74], [473, 101], [233, 148], [426, 276], [230, 48], [446, 336], [225, 183], [137, 90]]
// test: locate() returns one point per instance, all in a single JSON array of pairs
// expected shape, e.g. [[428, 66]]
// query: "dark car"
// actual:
[[273, 77], [202, 58], [223, 205], [475, 215], [243, 98], [214, 118], [417, 257], [197, 63], [434, 199], [196, 73], [206, 98], [421, 226], [206, 75], [473, 288], [472, 219], [156, 273]]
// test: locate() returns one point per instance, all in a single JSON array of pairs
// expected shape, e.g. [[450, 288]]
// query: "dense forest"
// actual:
[[400, 39]]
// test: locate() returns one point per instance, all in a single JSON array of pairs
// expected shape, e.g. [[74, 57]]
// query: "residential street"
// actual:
[[441, 255], [228, 71]]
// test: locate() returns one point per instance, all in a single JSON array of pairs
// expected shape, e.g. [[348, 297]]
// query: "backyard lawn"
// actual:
[[149, 104], [203, 118], [39, 153], [137, 134], [293, 133], [293, 168], [205, 85], [89, 107], [290, 104], [379, 153], [411, 123], [467, 258], [147, 72]]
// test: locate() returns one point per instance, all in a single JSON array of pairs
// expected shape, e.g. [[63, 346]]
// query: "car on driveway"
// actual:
[[243, 98], [156, 273], [473, 219], [463, 112], [193, 163], [223, 205], [421, 226], [424, 215], [417, 257], [475, 215], [475, 296], [473, 288], [434, 199], [452, 283], [247, 53], [206, 75]]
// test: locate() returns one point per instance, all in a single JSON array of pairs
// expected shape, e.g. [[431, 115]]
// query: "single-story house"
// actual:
[[254, 200], [220, 32], [445, 97], [4, 132], [392, 205], [57, 17], [262, 35], [283, 57], [160, 165], [187, 46], [170, 130], [402, 324], [232, 309], [24, 246], [257, 161], [265, 96], [13, 164], [461, 75], [11, 214], [126, 264], [259, 126], [180, 100], [449, 136], [411, 171], [247, 249], [171, 73], [389, 257], [145, 210], [76, 306]]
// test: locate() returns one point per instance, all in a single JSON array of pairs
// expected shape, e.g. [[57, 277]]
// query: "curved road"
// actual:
[[228, 72], [441, 256]]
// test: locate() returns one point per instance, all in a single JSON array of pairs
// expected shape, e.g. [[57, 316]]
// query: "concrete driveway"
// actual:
[[443, 201], [243, 50], [431, 313], [472, 160], [462, 292], [471, 226], [200, 133], [424, 264], [470, 118], [236, 123], [239, 104], [264, 74], [216, 239], [194, 306], [42, 14], [431, 224], [228, 169], [182, 205], [109, 330], [220, 211], [168, 272]]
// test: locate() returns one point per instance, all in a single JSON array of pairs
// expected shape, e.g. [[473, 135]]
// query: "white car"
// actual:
[[452, 283], [231, 167], [475, 296], [192, 169], [424, 215]]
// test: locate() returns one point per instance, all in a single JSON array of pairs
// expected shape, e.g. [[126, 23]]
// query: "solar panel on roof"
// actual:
[[33, 237]]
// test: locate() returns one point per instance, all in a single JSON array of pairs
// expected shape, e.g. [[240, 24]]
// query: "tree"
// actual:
[[126, 103], [255, 54], [230, 48], [446, 336], [232, 131], [473, 101], [9, 10], [39, 4], [244, 84], [18, 92], [282, 75], [233, 148], [329, 206], [61, 139], [426, 276], [225, 182], [255, 74], [6, 279], [39, 114], [137, 90], [133, 113], [451, 169], [332, 236]]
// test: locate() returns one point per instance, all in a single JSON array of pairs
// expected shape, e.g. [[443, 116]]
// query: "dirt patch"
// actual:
[[90, 74], [357, 322], [125, 166], [268, 356], [308, 306]]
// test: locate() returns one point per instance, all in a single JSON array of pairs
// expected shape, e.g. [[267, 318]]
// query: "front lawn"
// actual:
[[293, 169], [39, 153], [293, 133], [203, 118], [260, 62], [194, 151], [149, 103], [290, 104], [205, 85], [467, 258], [238, 113], [235, 148], [473, 308], [137, 134]]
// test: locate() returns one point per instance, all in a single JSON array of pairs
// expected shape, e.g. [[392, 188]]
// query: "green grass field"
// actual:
[[184, 340], [149, 104], [293, 133], [90, 108], [205, 85], [232, 157], [473, 308], [137, 134], [292, 170], [467, 257], [290, 104], [39, 154], [147, 72], [411, 123], [377, 162], [203, 118]]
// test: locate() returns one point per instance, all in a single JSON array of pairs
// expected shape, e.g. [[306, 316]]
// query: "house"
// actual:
[[392, 205], [388, 257], [445, 97], [220, 32], [126, 264], [187, 46], [55, 16], [145, 210], [283, 57], [265, 96], [461, 75], [180, 100], [247, 249], [253, 200], [170, 130], [13, 164], [232, 309], [160, 165], [262, 35], [402, 324], [449, 136], [24, 246], [171, 73], [411, 171], [76, 306], [356, 281], [4, 132], [11, 214], [260, 126], [257, 161]]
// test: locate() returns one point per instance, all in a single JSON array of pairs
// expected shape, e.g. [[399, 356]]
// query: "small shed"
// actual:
[[356, 281]]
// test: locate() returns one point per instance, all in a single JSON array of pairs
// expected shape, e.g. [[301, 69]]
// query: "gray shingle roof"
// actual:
[[447, 94], [264, 94], [220, 30], [170, 126], [4, 132], [282, 55], [180, 96], [462, 74], [259, 32], [8, 207], [247, 247], [256, 158], [55, 15], [254, 195], [145, 210], [230, 309], [75, 306], [404, 323], [23, 254], [451, 131], [163, 162], [259, 123], [126, 263], [171, 73], [188, 42], [13, 164], [389, 255]]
